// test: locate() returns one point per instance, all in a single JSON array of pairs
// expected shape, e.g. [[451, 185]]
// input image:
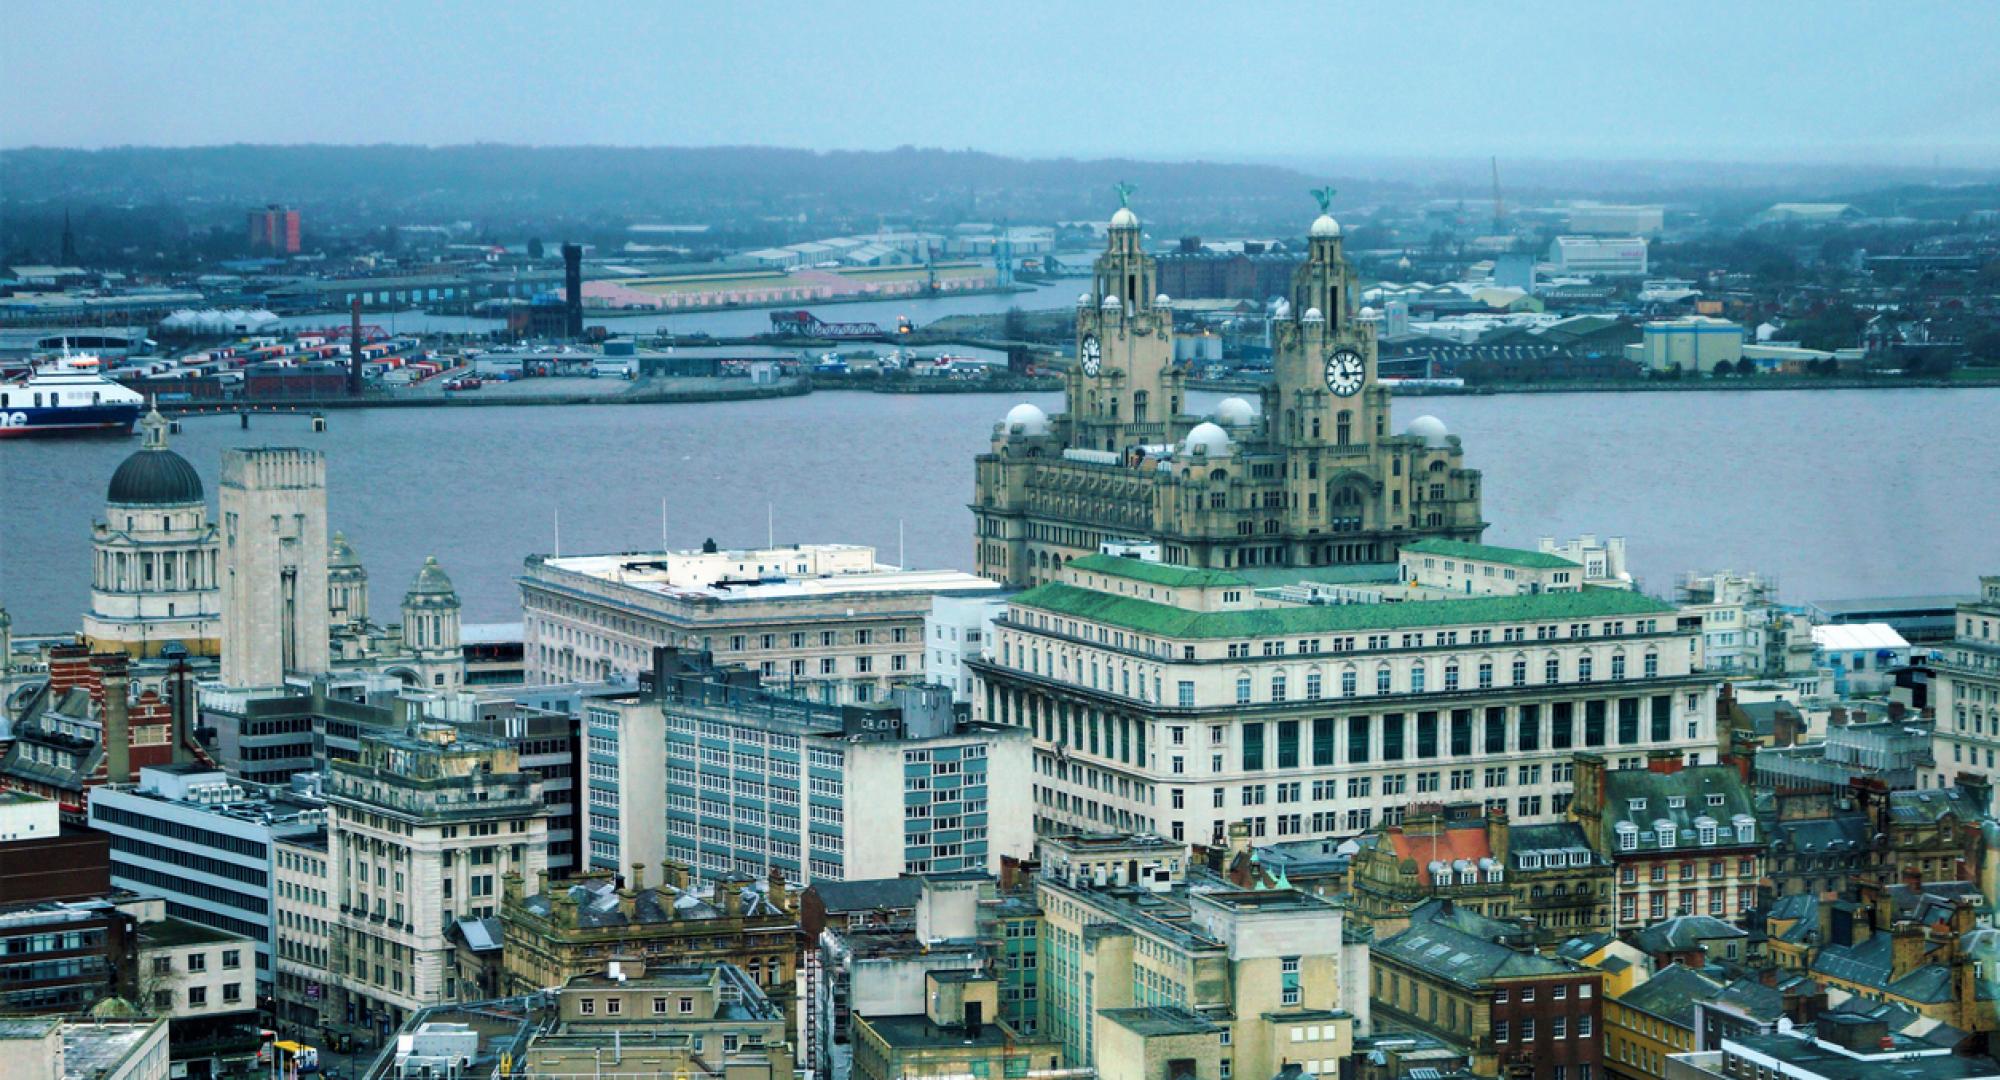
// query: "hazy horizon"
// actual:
[[1769, 85]]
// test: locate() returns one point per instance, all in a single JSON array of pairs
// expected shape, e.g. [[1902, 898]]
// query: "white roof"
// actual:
[[1856, 637]]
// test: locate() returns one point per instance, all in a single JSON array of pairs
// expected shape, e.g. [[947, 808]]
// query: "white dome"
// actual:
[[1207, 439], [1111, 303], [1029, 418], [1324, 225], [1163, 301], [1124, 219], [1234, 412], [1369, 313], [1313, 315], [1430, 429], [1083, 299]]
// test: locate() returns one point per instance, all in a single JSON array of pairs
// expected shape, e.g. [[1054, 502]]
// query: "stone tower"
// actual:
[[347, 584], [153, 576], [274, 560], [1124, 388], [430, 628]]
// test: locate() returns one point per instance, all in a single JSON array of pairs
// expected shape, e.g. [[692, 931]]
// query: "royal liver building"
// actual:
[[1313, 477]]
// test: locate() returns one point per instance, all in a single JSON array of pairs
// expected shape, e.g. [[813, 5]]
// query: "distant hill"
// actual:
[[704, 184]]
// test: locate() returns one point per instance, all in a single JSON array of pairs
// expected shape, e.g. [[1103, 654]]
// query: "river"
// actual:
[[1840, 493]]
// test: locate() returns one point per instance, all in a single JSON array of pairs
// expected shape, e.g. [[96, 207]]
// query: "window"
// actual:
[[232, 958], [197, 996], [197, 961]]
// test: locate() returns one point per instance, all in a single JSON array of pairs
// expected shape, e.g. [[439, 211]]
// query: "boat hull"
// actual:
[[67, 420]]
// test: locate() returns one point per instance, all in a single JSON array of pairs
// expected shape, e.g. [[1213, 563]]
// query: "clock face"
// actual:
[[1345, 372], [1092, 353]]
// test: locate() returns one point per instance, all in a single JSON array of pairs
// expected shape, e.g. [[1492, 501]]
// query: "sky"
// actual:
[[1775, 80]]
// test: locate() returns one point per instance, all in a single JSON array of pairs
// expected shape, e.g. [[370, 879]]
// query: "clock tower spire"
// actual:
[[1124, 389]]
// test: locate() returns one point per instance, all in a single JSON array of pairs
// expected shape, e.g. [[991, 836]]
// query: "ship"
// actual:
[[67, 395]]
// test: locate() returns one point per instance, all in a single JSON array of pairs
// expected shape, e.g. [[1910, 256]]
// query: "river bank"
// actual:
[[675, 392]]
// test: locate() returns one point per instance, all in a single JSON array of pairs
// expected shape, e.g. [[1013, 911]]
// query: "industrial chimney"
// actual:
[[573, 289], [354, 349]]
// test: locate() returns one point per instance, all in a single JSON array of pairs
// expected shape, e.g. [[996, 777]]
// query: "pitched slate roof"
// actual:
[[1684, 932], [1670, 994], [1657, 794], [1843, 832], [1916, 807], [1440, 948], [874, 894]]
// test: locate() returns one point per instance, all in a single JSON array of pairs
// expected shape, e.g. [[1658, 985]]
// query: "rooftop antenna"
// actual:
[[558, 532]]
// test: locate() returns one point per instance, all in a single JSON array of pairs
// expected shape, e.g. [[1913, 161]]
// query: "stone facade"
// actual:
[[1315, 478], [1967, 692], [154, 571]]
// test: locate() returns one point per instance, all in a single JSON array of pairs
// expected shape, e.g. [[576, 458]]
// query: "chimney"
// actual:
[[573, 289], [510, 887], [775, 888], [1897, 711], [628, 905], [1588, 785], [1498, 840], [1838, 717], [1239, 840], [638, 877], [1742, 754], [542, 882], [1907, 944], [117, 719], [69, 668], [354, 348], [674, 874], [1663, 761], [562, 909], [181, 730], [730, 890]]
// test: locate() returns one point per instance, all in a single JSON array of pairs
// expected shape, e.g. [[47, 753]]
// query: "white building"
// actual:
[[1604, 219], [187, 970], [154, 567], [1695, 344], [1861, 656], [956, 630], [1177, 701], [1968, 690], [827, 620], [203, 842], [1603, 562], [1599, 256]]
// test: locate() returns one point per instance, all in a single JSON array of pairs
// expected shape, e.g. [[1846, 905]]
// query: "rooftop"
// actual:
[[916, 1031], [1154, 1020], [1810, 1057], [1168, 621], [799, 572], [172, 933], [1461, 549]]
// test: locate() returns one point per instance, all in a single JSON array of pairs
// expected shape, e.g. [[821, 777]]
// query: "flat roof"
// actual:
[[916, 1031], [1159, 1020], [171, 933]]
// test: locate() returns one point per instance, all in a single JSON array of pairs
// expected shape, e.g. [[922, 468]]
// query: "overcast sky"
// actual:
[[1797, 81]]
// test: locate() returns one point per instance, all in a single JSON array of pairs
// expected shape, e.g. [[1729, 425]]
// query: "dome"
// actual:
[[1111, 303], [1324, 227], [155, 476], [1369, 313], [1083, 299], [1313, 315], [1234, 412], [340, 554], [1124, 219], [431, 582], [1430, 429], [1029, 418], [1207, 438], [1163, 301]]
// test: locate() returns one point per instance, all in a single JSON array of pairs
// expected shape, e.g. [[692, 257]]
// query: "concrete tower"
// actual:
[[153, 573], [274, 559], [430, 628]]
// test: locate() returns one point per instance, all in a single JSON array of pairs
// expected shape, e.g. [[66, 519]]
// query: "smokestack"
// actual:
[[573, 288], [181, 728], [354, 348], [117, 722]]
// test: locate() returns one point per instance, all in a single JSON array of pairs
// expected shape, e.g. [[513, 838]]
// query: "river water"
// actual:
[[1840, 493]]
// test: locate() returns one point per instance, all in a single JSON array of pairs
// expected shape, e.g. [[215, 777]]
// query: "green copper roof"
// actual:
[[1165, 620], [1153, 573], [1489, 553]]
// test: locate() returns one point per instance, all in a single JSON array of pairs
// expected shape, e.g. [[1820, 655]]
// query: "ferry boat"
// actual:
[[66, 395]]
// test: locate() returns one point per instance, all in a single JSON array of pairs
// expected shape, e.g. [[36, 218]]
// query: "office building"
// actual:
[[635, 1017], [303, 919], [959, 1032], [204, 843], [425, 822], [1270, 975], [204, 982], [760, 783], [50, 1048], [826, 620], [1967, 689], [1599, 256], [1178, 700], [41, 859], [956, 629], [66, 956], [274, 565], [154, 571], [1315, 476]]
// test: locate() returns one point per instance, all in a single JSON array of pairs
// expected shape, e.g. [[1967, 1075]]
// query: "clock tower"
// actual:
[[1324, 393], [1124, 389]]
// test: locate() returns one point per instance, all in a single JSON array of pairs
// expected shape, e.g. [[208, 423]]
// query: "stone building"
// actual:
[[565, 931], [1967, 692], [424, 650], [1684, 839], [274, 565], [425, 822], [960, 1032], [1460, 978], [631, 1017], [1315, 477], [1178, 701], [1271, 974], [154, 572]]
